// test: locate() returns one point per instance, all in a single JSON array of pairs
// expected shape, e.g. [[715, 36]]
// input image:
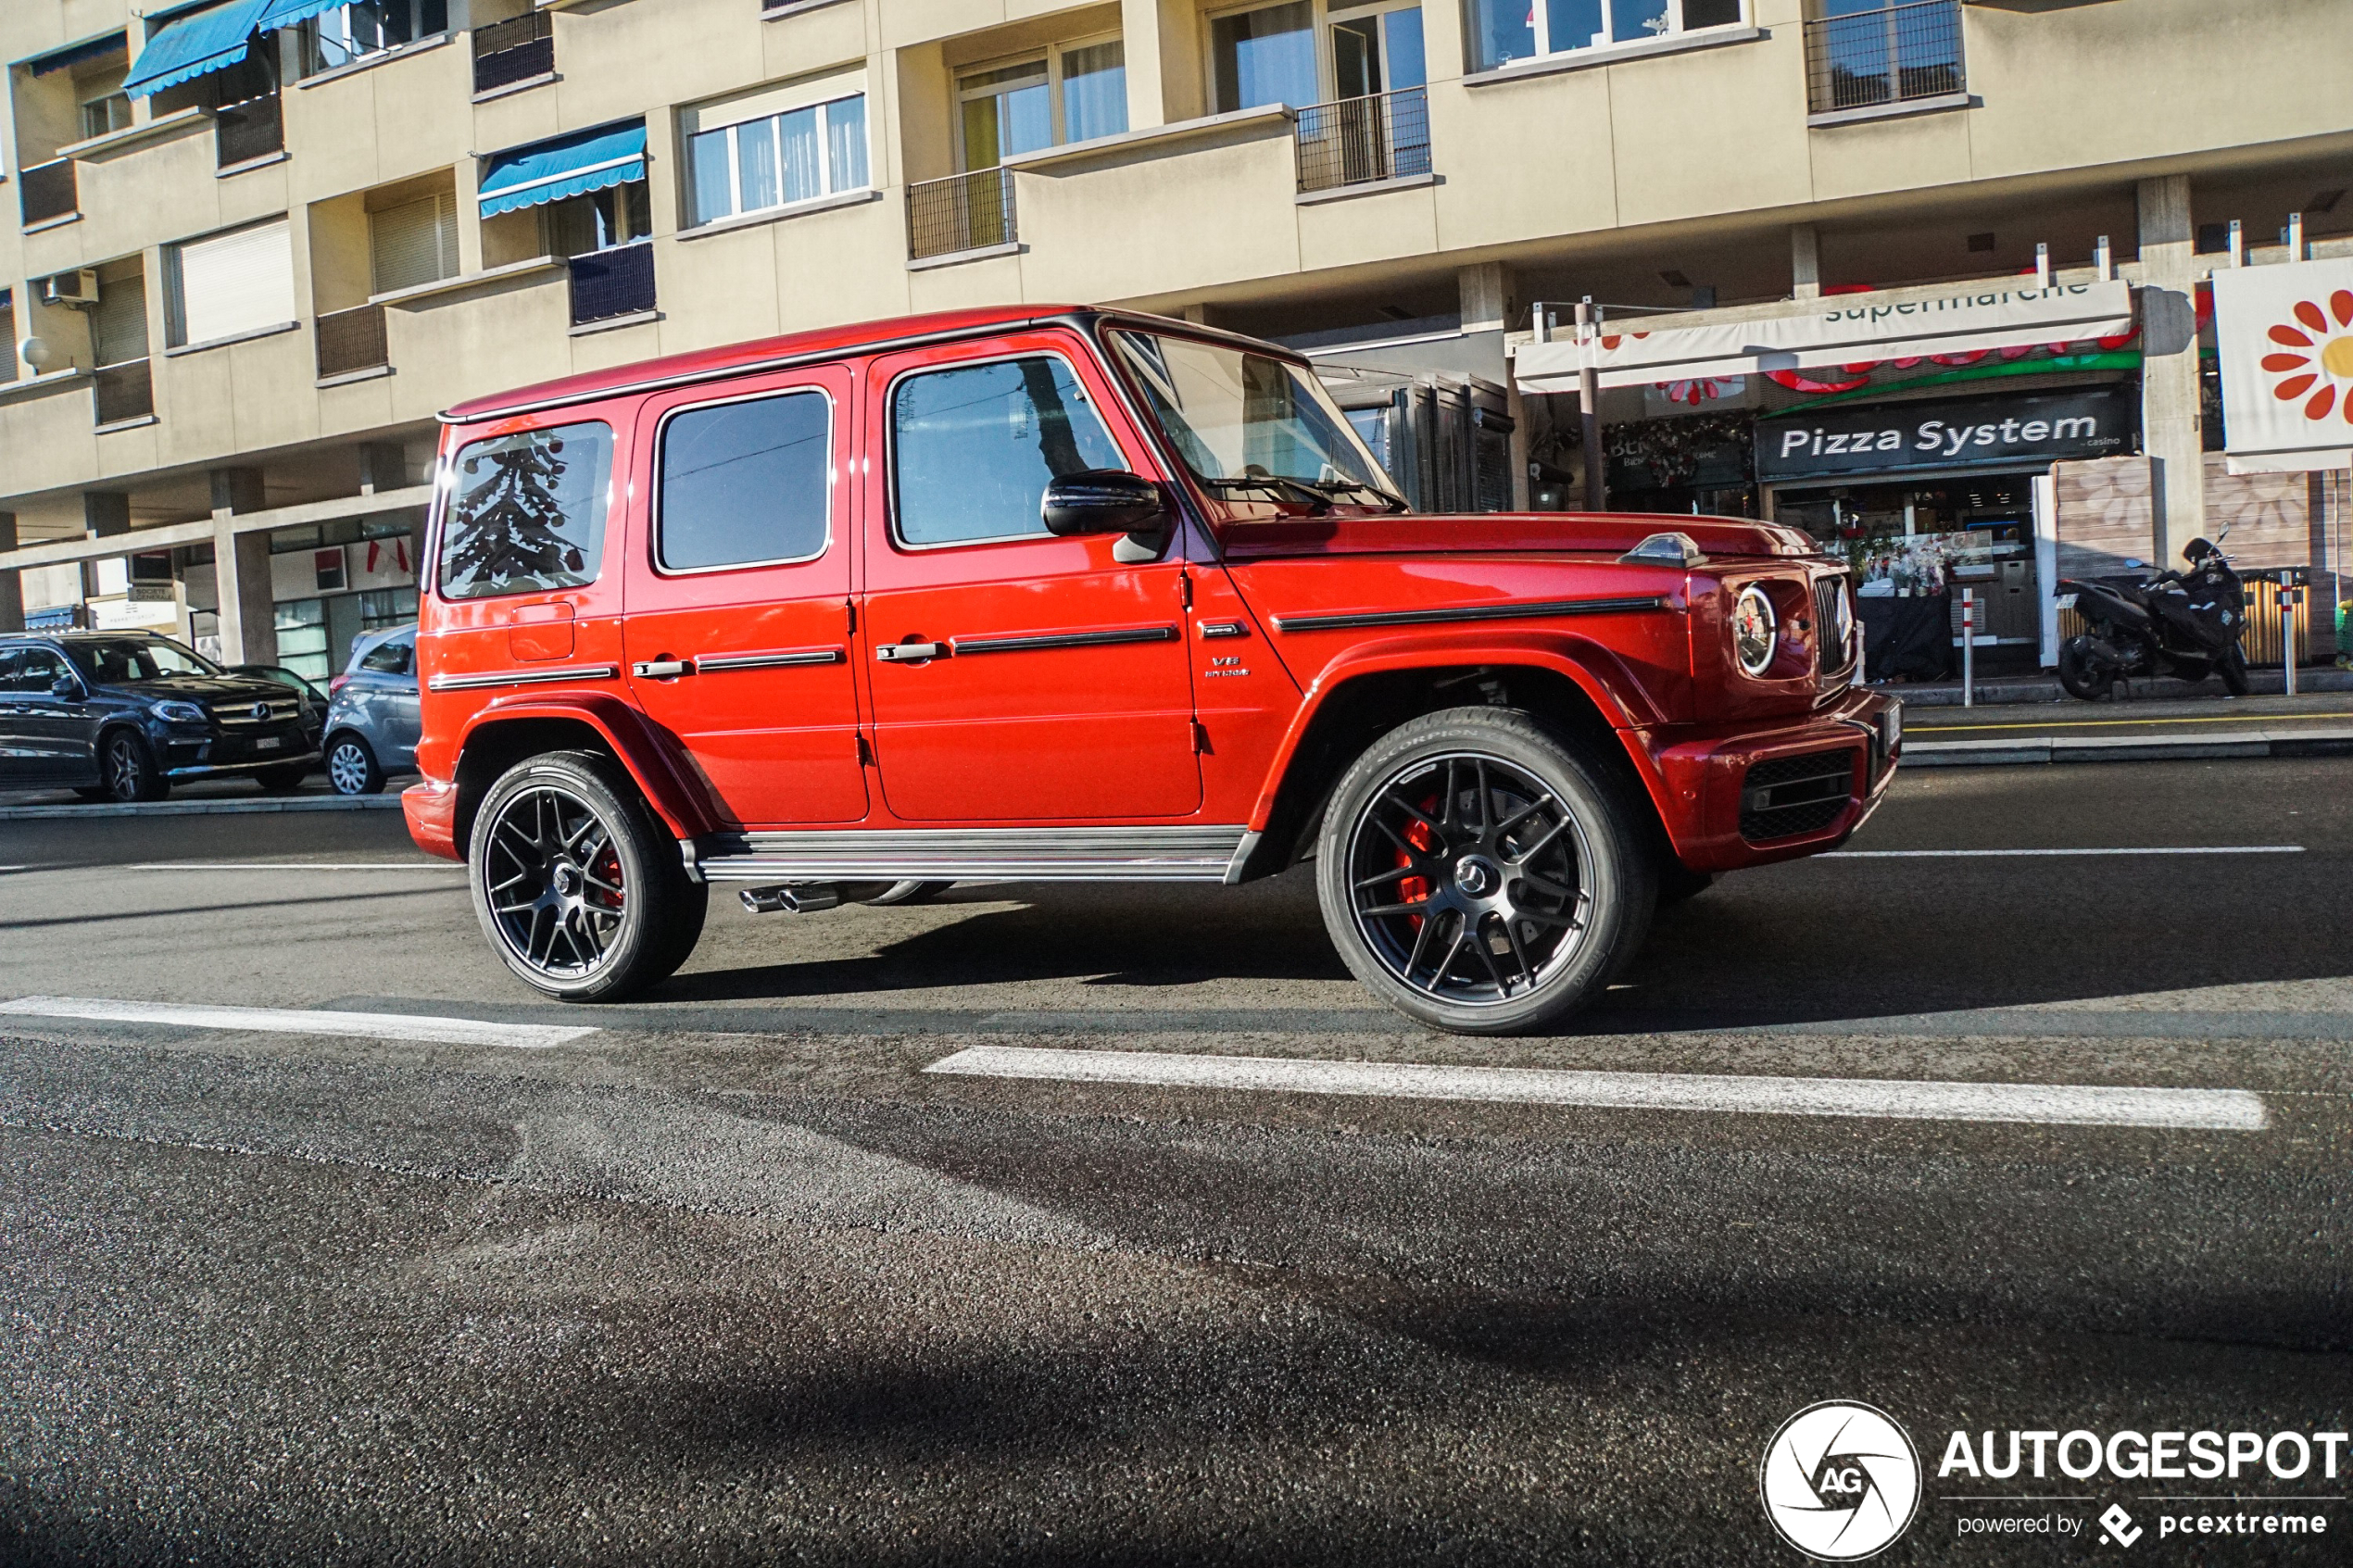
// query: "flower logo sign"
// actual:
[[2313, 358]]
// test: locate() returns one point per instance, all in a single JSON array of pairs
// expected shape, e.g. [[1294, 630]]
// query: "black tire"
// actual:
[[1566, 884], [2081, 674], [128, 769], [909, 892], [565, 857], [2231, 667], [352, 767], [288, 777]]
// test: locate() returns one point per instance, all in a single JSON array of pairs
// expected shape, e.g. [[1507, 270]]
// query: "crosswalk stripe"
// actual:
[[298, 1020], [2074, 1104]]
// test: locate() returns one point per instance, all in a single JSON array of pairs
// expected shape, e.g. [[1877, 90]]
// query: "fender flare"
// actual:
[[1591, 666], [641, 748]]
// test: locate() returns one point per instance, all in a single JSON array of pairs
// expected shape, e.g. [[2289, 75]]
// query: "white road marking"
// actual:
[[2082, 1105], [2000, 854], [296, 1021], [295, 866]]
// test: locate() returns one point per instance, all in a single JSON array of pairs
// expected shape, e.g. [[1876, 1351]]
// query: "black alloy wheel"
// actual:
[[1481, 874], [579, 890], [130, 771], [286, 776]]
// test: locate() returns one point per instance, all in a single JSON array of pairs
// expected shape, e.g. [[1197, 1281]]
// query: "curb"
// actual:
[[2128, 748], [388, 802], [2310, 681]]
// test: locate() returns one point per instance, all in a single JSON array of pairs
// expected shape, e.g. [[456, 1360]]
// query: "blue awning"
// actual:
[[189, 47], [569, 166], [288, 13], [79, 54]]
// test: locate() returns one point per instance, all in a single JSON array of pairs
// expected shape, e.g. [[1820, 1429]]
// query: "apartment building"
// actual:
[[248, 248]]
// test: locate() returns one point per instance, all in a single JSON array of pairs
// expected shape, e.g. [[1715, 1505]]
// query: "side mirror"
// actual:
[[1103, 501], [65, 688]]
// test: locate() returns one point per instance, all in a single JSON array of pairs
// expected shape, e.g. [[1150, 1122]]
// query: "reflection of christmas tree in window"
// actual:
[[511, 525]]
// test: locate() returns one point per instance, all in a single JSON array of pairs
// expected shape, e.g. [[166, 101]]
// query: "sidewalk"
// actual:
[[2044, 687], [2179, 725], [205, 798]]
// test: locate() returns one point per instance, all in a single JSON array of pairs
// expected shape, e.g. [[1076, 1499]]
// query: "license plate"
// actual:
[[268, 743], [2065, 601]]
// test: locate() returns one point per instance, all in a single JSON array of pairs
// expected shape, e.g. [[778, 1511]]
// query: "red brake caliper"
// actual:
[[1414, 889]]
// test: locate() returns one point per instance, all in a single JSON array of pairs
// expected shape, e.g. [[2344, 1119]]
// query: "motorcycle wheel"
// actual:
[[2081, 674], [2233, 666]]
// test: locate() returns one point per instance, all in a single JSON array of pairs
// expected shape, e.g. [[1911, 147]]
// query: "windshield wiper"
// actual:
[[1337, 487], [1271, 484]]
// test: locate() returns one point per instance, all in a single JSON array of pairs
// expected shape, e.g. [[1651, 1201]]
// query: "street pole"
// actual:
[[1969, 648], [2288, 650], [1589, 404]]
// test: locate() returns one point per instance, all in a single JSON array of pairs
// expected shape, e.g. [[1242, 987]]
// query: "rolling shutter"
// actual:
[[236, 282], [414, 242]]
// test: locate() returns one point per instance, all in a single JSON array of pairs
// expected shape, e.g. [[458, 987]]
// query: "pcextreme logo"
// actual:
[[1839, 1481]]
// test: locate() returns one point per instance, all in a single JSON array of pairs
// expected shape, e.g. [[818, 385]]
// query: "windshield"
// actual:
[[131, 660], [1237, 417]]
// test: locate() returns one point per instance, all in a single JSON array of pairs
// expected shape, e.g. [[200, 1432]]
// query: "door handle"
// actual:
[[907, 653], [661, 669]]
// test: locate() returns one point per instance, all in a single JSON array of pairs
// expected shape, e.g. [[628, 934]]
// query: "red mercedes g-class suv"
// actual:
[[1067, 593]]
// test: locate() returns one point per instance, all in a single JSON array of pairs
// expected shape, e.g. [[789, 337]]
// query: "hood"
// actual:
[[210, 690], [1603, 534]]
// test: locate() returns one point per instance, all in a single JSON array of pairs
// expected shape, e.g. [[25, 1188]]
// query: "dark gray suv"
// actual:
[[125, 715], [371, 713]]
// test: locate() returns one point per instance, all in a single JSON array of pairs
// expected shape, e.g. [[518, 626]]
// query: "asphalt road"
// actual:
[[732, 1277]]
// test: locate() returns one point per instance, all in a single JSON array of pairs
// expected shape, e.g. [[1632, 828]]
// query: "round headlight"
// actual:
[[1753, 626]]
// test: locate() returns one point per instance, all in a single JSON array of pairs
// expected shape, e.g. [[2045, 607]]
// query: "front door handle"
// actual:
[[907, 653], [661, 669]]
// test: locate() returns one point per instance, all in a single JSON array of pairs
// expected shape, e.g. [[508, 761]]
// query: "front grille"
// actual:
[[1830, 605], [240, 716], [1786, 797]]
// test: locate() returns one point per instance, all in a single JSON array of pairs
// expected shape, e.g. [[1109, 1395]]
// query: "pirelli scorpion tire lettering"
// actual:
[[577, 886], [1481, 874]]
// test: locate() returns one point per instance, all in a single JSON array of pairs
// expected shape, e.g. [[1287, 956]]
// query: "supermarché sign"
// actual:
[[1957, 433]]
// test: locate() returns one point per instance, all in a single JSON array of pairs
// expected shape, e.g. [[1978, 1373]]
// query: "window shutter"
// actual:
[[414, 242], [236, 282]]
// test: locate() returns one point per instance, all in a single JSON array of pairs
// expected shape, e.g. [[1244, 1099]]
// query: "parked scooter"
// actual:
[[2187, 625]]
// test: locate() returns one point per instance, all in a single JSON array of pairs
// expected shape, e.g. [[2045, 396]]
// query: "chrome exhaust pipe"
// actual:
[[800, 898]]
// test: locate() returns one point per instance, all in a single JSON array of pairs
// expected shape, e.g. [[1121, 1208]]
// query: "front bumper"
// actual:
[[230, 769], [432, 810], [1706, 774]]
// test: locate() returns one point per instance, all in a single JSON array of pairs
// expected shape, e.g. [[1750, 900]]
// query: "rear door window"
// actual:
[[974, 447], [388, 659], [527, 512], [745, 483]]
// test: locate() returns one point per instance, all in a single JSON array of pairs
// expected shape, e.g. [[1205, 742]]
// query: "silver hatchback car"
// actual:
[[371, 713]]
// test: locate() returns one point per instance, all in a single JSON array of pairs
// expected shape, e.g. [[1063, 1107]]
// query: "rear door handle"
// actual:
[[907, 653]]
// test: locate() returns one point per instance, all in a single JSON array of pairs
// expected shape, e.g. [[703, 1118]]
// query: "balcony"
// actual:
[[243, 133], [1364, 141], [123, 392], [609, 285], [520, 49], [351, 342], [47, 191], [963, 212], [1906, 55]]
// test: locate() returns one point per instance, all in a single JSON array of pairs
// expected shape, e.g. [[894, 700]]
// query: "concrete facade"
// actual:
[[1661, 173]]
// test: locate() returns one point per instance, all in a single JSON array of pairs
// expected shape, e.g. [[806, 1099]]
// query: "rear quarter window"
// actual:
[[527, 512]]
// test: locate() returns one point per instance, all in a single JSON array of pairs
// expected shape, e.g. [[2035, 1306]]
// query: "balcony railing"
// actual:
[[609, 284], [1357, 141], [351, 340], [1872, 58], [48, 191], [123, 392], [242, 133], [962, 212], [514, 50]]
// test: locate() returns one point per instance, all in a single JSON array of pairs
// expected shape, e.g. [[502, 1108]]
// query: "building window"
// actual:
[[7, 338], [301, 625], [118, 326], [801, 154], [616, 216], [528, 512], [226, 285], [1505, 30], [1270, 55], [369, 26], [413, 242], [1072, 93], [387, 606], [107, 114]]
